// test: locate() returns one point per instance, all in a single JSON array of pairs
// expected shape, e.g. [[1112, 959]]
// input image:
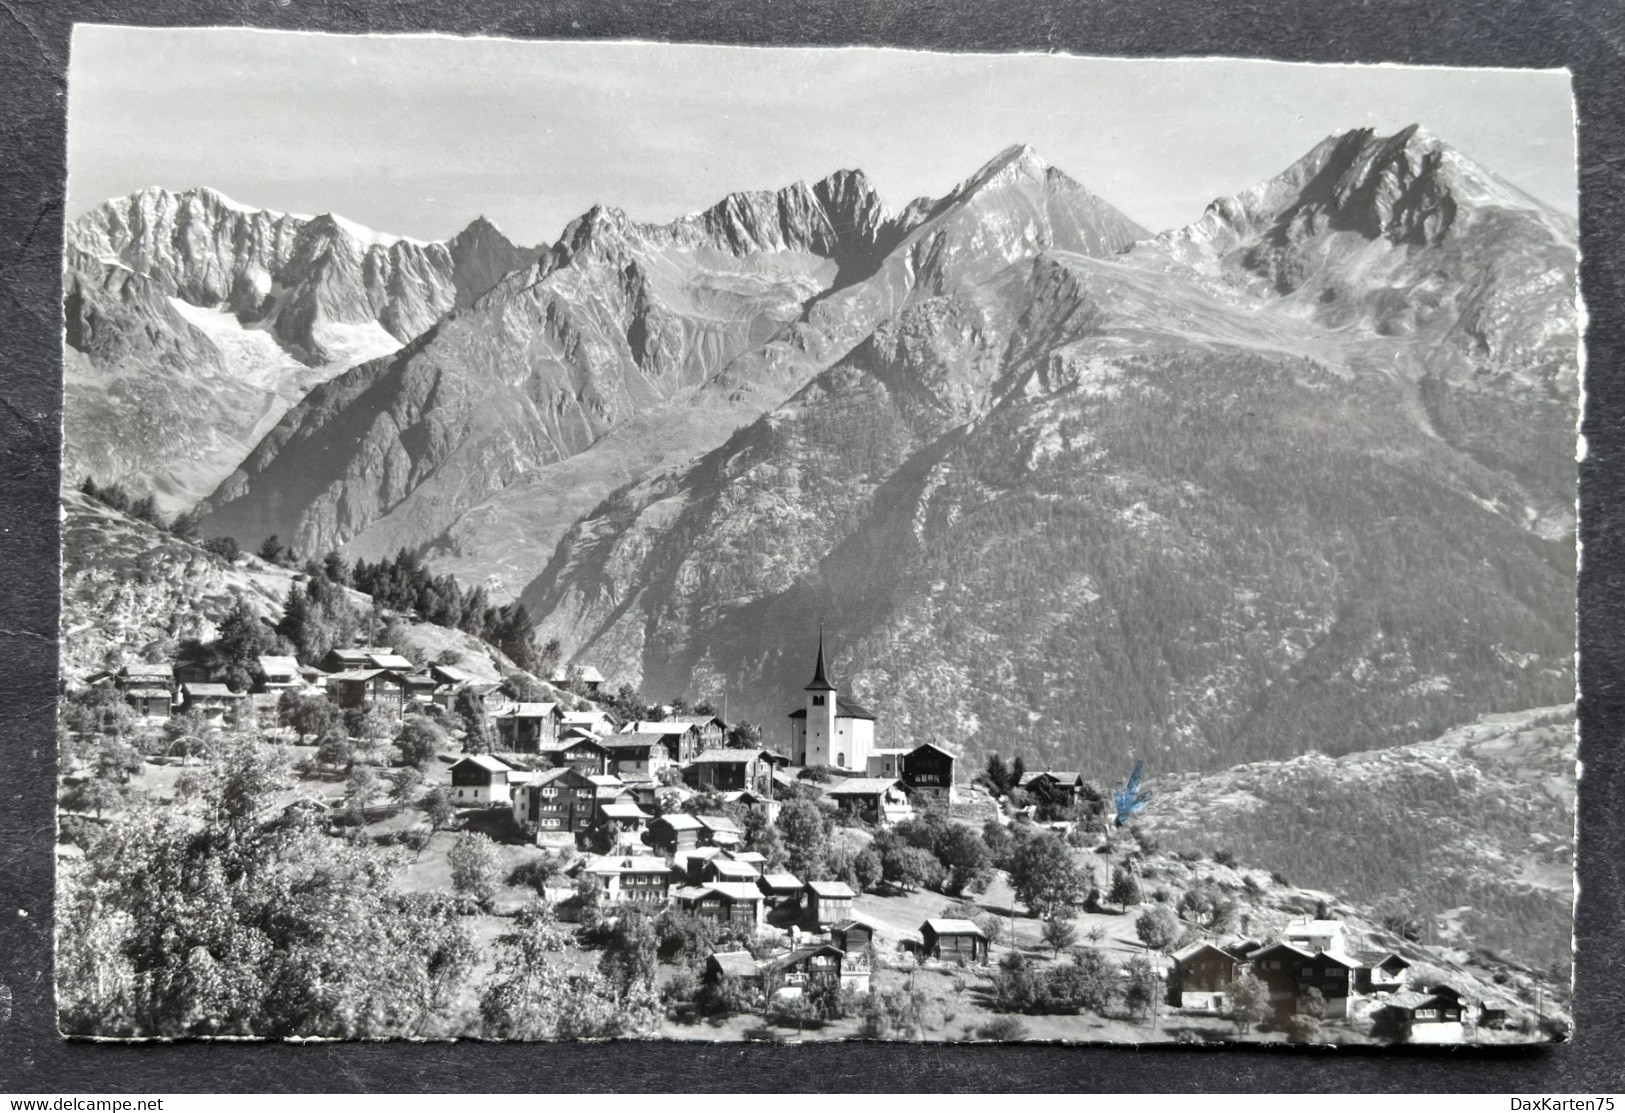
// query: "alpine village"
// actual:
[[952, 665]]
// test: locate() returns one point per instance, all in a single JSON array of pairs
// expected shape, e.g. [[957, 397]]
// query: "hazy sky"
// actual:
[[417, 135]]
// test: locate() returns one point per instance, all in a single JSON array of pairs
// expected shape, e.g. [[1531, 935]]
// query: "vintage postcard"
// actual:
[[580, 540]]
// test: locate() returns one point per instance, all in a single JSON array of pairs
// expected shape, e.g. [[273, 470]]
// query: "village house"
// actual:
[[1065, 786], [682, 740], [928, 773], [148, 689], [710, 730], [1289, 972], [729, 770], [691, 863], [726, 901], [583, 678], [623, 823], [527, 728], [1381, 972], [1315, 935], [637, 756], [590, 719], [557, 800], [720, 868], [756, 802], [829, 730], [719, 830], [354, 658], [1435, 1016], [480, 779], [369, 689], [279, 674], [810, 963], [212, 700], [852, 936], [953, 940], [881, 800], [829, 902], [1200, 978], [737, 965], [584, 755], [637, 880], [673, 834], [780, 888]]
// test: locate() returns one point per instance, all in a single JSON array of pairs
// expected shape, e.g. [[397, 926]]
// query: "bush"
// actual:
[[1004, 1029], [536, 874]]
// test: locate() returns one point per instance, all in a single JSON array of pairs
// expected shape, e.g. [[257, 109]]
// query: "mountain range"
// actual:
[[1298, 476]]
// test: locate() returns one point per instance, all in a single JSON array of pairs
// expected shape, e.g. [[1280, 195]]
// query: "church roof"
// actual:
[[820, 680], [844, 709]]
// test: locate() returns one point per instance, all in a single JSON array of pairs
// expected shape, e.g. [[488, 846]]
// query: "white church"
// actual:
[[831, 730]]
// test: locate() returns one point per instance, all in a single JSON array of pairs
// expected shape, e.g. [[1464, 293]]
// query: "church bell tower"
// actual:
[[820, 748]]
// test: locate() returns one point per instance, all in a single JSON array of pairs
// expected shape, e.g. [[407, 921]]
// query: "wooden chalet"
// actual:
[[555, 800], [584, 755], [527, 728], [780, 888], [719, 868], [674, 833], [829, 902], [681, 740], [623, 822], [721, 770], [368, 688], [354, 658], [1290, 972], [1201, 977], [755, 801], [802, 967], [727, 901], [719, 830], [852, 936], [1429, 1017], [583, 677], [739, 965], [1381, 972], [637, 755], [148, 689], [953, 940], [711, 731], [277, 674], [589, 719], [480, 779], [1315, 935], [880, 800], [634, 879], [1062, 788], [212, 700]]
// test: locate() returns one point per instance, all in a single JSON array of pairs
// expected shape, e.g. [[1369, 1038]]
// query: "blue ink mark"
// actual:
[[1131, 799]]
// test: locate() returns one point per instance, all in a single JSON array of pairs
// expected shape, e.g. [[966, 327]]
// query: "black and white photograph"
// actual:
[[650, 541]]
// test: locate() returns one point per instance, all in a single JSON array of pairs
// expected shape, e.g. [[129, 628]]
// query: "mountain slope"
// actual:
[[193, 323], [632, 348], [1105, 508]]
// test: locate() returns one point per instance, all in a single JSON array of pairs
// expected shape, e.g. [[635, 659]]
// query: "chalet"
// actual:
[[755, 801], [583, 677], [1064, 784], [450, 674], [711, 731], [480, 779], [637, 755], [557, 800], [1315, 935], [1200, 978], [589, 719], [1431, 1017], [739, 965], [780, 888], [726, 869], [213, 700], [852, 936], [624, 822], [1381, 972], [830, 730], [953, 940], [419, 687], [528, 728], [805, 965], [1290, 972], [149, 689], [355, 658], [719, 830], [368, 688], [584, 755], [638, 880], [881, 800], [728, 901], [279, 674], [692, 863], [682, 740], [672, 834], [750, 857], [729, 770], [928, 773], [643, 790], [829, 902]]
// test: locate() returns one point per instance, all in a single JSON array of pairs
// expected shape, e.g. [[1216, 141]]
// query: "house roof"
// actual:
[[844, 709], [729, 870], [638, 740], [848, 925], [801, 954], [392, 661], [162, 669], [201, 688], [636, 863], [624, 811], [363, 675], [831, 890], [526, 711], [700, 854], [1197, 948], [548, 776], [275, 664], [954, 927], [726, 757], [1280, 946], [942, 748], [719, 824], [681, 821], [862, 786], [749, 857], [663, 728], [605, 780], [586, 715], [1381, 959], [736, 890], [781, 882], [495, 765], [577, 672], [738, 964]]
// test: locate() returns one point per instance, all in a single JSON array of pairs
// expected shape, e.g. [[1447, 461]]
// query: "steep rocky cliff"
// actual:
[[193, 323], [1142, 504]]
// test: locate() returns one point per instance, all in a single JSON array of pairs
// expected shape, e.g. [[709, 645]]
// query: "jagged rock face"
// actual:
[[1111, 504], [202, 320], [631, 348]]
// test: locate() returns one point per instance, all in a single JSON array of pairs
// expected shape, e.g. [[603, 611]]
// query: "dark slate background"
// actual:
[[1588, 36]]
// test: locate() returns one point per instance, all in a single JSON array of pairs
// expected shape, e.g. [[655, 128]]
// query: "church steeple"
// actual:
[[820, 680]]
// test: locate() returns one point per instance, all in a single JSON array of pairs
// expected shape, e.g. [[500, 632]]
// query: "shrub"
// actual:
[[1004, 1029]]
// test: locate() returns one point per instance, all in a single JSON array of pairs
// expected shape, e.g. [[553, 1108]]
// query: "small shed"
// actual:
[[780, 888], [676, 832], [732, 964], [852, 935], [829, 902], [954, 940]]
